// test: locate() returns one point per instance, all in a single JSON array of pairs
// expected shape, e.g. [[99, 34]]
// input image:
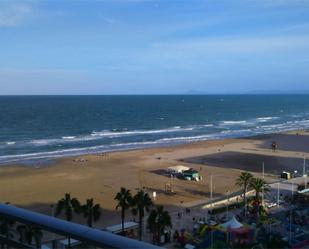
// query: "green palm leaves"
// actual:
[[260, 186], [91, 211], [68, 205], [244, 181], [158, 220], [125, 200], [141, 203]]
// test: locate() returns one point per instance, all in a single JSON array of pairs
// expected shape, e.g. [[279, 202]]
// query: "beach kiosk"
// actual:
[[191, 175], [286, 175]]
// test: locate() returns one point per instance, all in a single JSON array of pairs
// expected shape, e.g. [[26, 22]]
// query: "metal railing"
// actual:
[[90, 236]]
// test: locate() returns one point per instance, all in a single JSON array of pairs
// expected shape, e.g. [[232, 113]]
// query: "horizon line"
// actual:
[[153, 94]]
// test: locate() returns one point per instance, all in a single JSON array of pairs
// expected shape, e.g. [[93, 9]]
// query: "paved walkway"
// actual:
[[285, 188], [198, 209]]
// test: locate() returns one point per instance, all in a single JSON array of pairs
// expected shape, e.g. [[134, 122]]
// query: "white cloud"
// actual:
[[14, 13]]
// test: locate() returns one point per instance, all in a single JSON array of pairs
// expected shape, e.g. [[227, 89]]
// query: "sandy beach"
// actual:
[[100, 176]]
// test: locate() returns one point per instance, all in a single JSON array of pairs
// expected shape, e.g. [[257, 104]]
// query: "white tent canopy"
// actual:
[[177, 169], [232, 224]]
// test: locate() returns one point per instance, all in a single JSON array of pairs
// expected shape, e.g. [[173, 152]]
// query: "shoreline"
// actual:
[[50, 162], [45, 162], [100, 176]]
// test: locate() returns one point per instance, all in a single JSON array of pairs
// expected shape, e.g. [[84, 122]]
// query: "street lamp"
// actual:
[[278, 194], [227, 204], [211, 190], [305, 173], [291, 210], [54, 244], [263, 173]]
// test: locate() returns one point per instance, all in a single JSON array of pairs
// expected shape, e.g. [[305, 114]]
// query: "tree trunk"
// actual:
[[38, 241], [69, 238], [122, 221], [258, 204], [159, 234], [245, 201], [140, 226], [89, 221]]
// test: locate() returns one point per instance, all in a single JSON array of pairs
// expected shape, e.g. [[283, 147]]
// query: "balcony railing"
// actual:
[[89, 236]]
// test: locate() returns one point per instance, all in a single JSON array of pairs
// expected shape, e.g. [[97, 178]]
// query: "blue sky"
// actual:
[[153, 47]]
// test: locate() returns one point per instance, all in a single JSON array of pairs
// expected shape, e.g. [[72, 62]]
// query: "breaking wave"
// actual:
[[115, 140]]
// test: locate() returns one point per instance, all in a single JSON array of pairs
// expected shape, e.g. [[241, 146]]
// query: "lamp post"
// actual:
[[211, 201], [263, 174], [54, 244], [227, 203], [290, 234], [245, 204], [278, 194], [292, 190], [211, 189], [305, 173], [212, 237]]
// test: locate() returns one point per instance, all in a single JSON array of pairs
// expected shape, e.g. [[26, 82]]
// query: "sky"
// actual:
[[153, 46]]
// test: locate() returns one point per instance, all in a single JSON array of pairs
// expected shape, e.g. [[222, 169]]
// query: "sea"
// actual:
[[38, 129]]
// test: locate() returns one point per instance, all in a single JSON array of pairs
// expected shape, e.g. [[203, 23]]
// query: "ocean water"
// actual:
[[40, 128]]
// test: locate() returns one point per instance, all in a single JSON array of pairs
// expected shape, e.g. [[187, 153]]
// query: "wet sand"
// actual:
[[290, 141], [100, 176], [251, 162]]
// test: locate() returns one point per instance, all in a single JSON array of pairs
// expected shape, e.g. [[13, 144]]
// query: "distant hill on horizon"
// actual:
[[258, 92]]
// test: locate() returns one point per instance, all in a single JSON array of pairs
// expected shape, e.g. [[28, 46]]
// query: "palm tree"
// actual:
[[244, 180], [259, 185], [141, 203], [69, 205], [28, 233], [124, 199], [158, 220], [5, 229], [91, 212]]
